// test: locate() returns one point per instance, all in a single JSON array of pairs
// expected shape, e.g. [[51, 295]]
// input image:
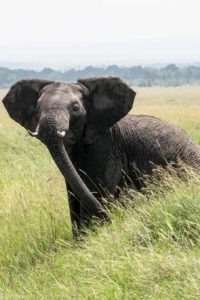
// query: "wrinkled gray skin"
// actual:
[[97, 148]]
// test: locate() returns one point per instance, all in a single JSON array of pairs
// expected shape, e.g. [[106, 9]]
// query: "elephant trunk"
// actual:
[[58, 152]]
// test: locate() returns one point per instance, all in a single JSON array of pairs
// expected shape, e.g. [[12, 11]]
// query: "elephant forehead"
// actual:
[[60, 87]]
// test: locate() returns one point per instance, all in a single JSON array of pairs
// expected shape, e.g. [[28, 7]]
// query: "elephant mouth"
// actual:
[[70, 138], [67, 135]]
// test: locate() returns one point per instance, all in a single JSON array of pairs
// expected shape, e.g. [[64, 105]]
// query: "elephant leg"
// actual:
[[80, 216]]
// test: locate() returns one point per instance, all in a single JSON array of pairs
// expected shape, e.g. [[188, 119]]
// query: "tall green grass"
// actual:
[[149, 251]]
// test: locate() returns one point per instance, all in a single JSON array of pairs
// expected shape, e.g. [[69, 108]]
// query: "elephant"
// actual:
[[98, 147]]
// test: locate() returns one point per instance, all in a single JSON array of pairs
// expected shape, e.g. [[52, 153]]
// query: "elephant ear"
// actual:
[[110, 99], [21, 101]]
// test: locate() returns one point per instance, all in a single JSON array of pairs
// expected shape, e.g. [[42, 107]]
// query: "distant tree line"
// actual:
[[170, 75]]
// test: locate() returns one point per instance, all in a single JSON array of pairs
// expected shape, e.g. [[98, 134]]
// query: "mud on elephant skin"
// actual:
[[92, 140]]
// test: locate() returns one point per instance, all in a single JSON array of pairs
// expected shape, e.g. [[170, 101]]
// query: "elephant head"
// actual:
[[61, 115]]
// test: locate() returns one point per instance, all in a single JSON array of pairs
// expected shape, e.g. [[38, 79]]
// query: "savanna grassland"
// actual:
[[150, 251]]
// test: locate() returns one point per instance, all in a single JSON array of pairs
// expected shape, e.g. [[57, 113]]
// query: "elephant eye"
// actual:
[[75, 107]]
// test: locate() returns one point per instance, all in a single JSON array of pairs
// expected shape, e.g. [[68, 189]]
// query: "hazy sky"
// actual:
[[65, 33]]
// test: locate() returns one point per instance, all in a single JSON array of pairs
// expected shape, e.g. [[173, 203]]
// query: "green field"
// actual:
[[150, 251]]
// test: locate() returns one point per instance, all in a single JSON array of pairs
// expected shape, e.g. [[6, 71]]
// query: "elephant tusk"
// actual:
[[61, 133], [34, 134]]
